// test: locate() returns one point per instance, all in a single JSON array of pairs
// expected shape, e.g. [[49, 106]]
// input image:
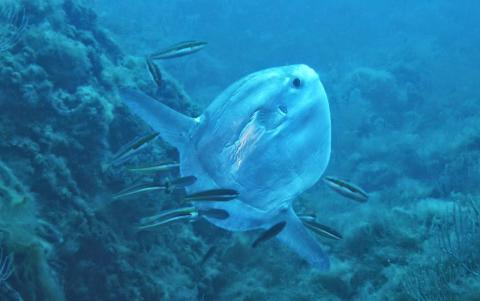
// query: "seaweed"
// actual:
[[431, 282], [459, 236], [6, 266], [453, 256], [18, 225], [396, 127], [13, 23]]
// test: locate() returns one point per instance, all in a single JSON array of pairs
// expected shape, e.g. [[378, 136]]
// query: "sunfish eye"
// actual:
[[296, 82]]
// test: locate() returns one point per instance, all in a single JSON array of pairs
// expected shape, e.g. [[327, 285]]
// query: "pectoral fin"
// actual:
[[167, 217]]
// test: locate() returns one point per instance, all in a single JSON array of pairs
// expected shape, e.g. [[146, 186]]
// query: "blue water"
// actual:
[[402, 83]]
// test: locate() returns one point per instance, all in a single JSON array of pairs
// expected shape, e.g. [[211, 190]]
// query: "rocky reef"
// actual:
[[61, 122]]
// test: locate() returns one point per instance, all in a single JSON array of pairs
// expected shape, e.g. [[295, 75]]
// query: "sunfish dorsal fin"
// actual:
[[174, 127]]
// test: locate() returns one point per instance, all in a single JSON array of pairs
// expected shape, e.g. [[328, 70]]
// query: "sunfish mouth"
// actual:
[[283, 109]]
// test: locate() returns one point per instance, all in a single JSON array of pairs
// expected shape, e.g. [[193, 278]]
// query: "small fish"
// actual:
[[154, 72], [168, 186], [269, 234], [168, 216], [178, 50], [179, 183], [308, 217], [214, 195], [346, 189], [128, 150], [164, 166], [321, 230], [209, 254], [214, 213], [139, 188]]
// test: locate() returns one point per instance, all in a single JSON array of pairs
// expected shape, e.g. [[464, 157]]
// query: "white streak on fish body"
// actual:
[[178, 50], [347, 189], [155, 168]]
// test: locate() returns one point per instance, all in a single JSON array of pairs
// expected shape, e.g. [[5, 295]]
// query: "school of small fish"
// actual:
[[190, 213]]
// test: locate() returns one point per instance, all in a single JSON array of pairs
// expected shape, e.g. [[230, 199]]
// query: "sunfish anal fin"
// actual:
[[300, 240]]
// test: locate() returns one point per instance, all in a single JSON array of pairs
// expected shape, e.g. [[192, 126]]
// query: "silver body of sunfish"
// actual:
[[268, 136]]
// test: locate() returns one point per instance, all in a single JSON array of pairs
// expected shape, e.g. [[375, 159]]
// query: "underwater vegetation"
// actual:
[[27, 237], [13, 23], [59, 131], [6, 266], [405, 129], [457, 261]]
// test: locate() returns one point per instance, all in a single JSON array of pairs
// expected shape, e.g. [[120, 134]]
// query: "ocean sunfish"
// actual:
[[267, 136]]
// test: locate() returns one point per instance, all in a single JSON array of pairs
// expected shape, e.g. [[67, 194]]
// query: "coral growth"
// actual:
[[33, 279], [61, 122], [405, 128], [6, 266], [13, 23]]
